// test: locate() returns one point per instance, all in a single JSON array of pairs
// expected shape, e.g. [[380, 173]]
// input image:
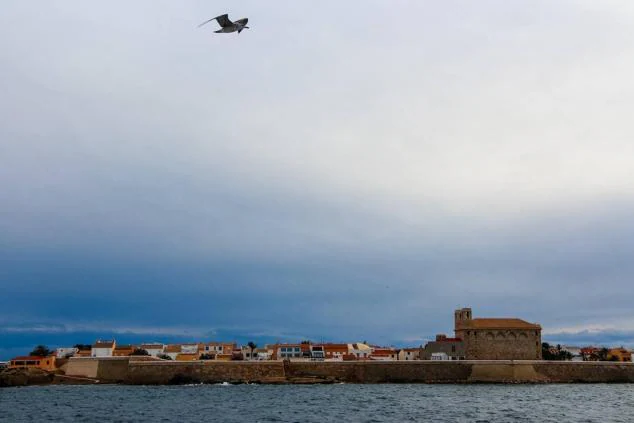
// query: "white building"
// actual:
[[262, 354], [189, 348], [409, 354], [213, 348], [317, 352], [153, 349], [102, 348], [441, 356], [288, 351], [360, 350], [247, 354]]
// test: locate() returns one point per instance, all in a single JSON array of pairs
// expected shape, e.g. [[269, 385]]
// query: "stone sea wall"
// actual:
[[132, 371], [84, 367], [173, 372]]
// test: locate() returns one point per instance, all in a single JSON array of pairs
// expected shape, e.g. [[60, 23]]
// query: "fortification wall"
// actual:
[[383, 372], [166, 372], [495, 371], [113, 370], [82, 367], [586, 372]]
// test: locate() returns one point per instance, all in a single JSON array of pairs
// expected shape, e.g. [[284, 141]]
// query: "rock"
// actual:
[[25, 377]]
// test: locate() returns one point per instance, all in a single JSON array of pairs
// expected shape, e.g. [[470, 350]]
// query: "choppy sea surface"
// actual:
[[319, 403]]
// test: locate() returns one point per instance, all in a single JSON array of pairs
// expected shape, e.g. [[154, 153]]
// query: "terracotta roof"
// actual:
[[331, 348], [151, 346], [173, 349], [384, 352], [103, 344], [496, 323]]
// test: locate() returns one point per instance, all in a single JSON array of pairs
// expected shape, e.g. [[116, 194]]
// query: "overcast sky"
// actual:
[[342, 170]]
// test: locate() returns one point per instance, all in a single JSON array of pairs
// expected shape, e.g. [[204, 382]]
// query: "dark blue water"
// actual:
[[320, 403]]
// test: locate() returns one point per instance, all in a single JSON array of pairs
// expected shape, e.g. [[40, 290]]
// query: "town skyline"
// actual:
[[185, 337]]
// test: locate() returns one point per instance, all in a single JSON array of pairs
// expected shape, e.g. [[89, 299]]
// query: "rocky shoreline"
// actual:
[[36, 377]]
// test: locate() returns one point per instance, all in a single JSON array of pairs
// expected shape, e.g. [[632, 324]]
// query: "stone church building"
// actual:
[[498, 339]]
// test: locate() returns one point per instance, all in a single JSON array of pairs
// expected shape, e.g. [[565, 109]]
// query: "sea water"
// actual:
[[319, 403]]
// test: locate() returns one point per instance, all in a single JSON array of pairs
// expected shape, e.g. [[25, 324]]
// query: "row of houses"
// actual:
[[475, 339], [231, 351], [593, 353], [442, 348]]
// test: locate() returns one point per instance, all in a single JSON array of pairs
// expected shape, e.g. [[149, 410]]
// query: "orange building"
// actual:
[[33, 362]]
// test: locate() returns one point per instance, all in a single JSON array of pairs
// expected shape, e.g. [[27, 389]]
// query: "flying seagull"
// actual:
[[227, 25]]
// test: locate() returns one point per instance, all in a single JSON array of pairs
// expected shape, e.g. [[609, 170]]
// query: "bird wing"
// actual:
[[223, 21], [242, 21]]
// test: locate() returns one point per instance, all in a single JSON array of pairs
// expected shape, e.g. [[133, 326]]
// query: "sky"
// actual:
[[340, 171]]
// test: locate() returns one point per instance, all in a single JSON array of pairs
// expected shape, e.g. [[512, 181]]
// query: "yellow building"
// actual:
[[33, 362], [619, 354], [187, 357]]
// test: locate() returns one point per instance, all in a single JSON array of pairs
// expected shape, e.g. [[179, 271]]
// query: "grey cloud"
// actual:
[[583, 338]]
